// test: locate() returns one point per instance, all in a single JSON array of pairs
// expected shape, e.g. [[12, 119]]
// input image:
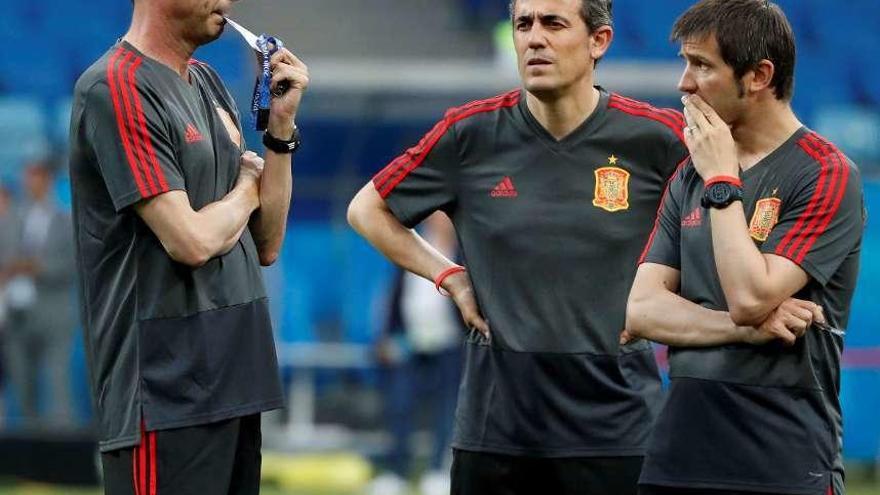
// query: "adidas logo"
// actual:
[[192, 134], [693, 219], [504, 189]]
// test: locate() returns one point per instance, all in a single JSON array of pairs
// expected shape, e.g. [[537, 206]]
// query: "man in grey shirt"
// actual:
[[552, 189], [764, 211]]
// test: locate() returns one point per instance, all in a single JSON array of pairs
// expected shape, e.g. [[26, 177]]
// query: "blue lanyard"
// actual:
[[267, 46]]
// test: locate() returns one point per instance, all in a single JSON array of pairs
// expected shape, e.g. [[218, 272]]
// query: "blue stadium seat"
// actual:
[[861, 434], [652, 23], [821, 81], [28, 71], [22, 134], [290, 301], [310, 249], [856, 130], [365, 286], [861, 330], [800, 15]]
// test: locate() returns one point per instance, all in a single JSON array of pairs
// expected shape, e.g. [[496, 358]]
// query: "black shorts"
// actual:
[[217, 458], [668, 490], [479, 473]]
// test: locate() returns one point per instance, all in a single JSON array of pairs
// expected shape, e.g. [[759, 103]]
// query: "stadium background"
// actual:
[[382, 72]]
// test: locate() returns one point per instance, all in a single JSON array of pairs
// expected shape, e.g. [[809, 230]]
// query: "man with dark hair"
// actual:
[[172, 222], [764, 211], [552, 190]]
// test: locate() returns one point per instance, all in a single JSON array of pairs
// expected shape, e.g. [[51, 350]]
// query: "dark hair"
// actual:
[[747, 32], [595, 13]]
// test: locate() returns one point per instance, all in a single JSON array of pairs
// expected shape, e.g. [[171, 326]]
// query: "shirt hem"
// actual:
[[561, 452], [212, 417], [118, 443], [722, 485]]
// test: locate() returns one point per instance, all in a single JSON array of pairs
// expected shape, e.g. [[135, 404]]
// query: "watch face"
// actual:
[[720, 193]]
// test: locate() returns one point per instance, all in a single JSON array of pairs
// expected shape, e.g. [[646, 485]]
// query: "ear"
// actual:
[[600, 41], [759, 78]]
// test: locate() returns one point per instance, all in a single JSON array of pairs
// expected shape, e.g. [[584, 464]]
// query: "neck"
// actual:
[[156, 36], [561, 115], [763, 129]]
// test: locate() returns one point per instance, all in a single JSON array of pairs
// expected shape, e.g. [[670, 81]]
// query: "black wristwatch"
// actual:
[[281, 146], [721, 195]]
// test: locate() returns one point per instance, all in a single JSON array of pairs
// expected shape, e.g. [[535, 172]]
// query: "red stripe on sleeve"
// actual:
[[393, 174], [415, 155], [676, 116], [382, 177], [137, 139], [820, 153], [454, 115], [828, 211], [145, 135], [130, 125], [659, 211], [120, 118], [670, 120], [804, 143]]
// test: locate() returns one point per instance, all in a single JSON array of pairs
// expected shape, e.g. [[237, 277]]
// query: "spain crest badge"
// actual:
[[612, 189], [765, 217]]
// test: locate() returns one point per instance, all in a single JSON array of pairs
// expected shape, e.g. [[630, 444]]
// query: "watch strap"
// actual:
[[280, 145]]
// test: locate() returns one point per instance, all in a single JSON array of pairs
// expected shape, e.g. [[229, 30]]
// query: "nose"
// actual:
[[536, 37], [687, 84]]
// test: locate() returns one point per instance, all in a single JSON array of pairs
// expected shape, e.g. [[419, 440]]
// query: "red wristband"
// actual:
[[725, 178], [438, 280]]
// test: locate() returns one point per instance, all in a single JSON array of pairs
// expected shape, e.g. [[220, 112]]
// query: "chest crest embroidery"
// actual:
[[612, 187], [765, 217]]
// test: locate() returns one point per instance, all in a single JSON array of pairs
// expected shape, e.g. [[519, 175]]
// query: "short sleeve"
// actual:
[[664, 244], [823, 219], [131, 143], [422, 179]]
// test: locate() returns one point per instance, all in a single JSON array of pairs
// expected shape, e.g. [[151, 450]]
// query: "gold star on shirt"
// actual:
[[775, 190], [612, 160]]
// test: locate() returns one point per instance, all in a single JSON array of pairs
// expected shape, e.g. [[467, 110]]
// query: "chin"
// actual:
[[539, 87], [211, 33]]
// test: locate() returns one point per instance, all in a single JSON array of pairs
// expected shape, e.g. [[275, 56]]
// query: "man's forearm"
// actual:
[[269, 223], [194, 237], [750, 289], [372, 219], [224, 221], [670, 319]]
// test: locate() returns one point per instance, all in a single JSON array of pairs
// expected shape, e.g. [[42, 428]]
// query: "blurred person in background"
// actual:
[[420, 348], [765, 210], [8, 232], [39, 299], [173, 219], [553, 190]]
